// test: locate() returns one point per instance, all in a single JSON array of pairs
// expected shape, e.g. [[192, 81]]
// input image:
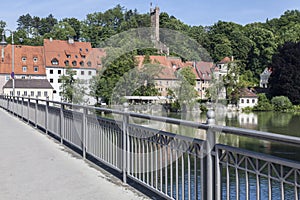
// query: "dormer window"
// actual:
[[74, 63], [54, 61], [24, 58], [67, 63], [89, 63], [35, 59], [80, 49], [81, 63], [87, 50]]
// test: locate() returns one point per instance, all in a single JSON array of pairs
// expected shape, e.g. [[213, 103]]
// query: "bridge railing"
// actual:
[[172, 165]]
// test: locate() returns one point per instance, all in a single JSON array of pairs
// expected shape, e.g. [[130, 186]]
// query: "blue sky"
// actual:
[[192, 12]]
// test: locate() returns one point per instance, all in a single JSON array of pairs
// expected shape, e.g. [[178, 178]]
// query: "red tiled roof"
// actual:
[[225, 60], [79, 53], [33, 57], [247, 93], [169, 65], [204, 69]]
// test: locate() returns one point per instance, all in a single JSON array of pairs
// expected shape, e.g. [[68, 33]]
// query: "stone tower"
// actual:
[[154, 15]]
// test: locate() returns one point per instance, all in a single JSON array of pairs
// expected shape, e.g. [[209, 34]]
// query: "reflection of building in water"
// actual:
[[248, 119]]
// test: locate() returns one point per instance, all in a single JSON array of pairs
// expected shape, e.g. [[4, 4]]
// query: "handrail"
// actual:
[[169, 164]]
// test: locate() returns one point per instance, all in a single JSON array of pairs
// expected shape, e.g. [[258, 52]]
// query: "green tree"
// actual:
[[61, 31], [72, 89], [104, 85], [285, 77], [263, 48], [281, 103], [185, 92], [75, 24], [263, 103]]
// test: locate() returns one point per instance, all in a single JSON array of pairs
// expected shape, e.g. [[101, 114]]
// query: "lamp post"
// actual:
[[3, 43]]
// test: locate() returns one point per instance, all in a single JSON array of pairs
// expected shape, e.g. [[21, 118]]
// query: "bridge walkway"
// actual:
[[35, 167]]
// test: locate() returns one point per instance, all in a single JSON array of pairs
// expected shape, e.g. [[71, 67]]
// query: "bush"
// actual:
[[263, 104], [281, 103], [247, 109], [203, 108]]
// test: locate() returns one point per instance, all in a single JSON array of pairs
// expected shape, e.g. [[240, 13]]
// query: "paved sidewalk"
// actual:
[[34, 167]]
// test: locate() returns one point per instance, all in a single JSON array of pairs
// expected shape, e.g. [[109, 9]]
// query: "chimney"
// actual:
[[71, 40]]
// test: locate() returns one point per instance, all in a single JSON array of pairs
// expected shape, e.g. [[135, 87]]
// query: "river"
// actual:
[[275, 122]]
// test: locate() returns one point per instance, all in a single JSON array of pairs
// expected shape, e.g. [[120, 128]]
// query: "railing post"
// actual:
[[46, 115], [62, 127], [28, 111], [22, 109], [84, 132], [13, 105], [36, 111], [210, 143], [7, 106], [124, 146]]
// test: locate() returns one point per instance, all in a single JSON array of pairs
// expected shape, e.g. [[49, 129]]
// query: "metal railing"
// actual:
[[172, 165]]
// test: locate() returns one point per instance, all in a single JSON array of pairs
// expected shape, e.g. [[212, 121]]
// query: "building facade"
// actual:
[[79, 56], [35, 88]]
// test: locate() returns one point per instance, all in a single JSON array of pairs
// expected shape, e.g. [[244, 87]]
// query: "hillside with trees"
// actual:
[[252, 45]]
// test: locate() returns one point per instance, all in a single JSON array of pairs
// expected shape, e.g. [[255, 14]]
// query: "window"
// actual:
[[24, 68], [25, 93], [51, 71], [74, 63], [35, 68], [39, 93], [90, 73], [87, 50], [23, 77], [89, 63], [45, 94], [247, 100], [59, 71], [18, 93], [24, 58], [253, 100], [67, 63], [59, 80], [7, 78], [82, 72], [32, 93], [242, 100], [51, 80], [54, 61], [68, 56], [35, 59], [81, 63], [54, 91], [80, 49], [76, 56]]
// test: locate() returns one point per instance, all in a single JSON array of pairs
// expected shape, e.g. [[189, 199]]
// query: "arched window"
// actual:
[[54, 61]]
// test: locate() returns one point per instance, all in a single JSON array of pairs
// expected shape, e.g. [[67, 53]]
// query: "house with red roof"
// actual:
[[79, 56], [28, 63], [247, 99]]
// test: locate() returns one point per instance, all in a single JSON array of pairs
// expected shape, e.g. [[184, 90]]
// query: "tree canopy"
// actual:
[[285, 78]]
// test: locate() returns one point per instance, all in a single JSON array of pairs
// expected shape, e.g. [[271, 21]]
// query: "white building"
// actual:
[[79, 56], [247, 99], [35, 88]]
